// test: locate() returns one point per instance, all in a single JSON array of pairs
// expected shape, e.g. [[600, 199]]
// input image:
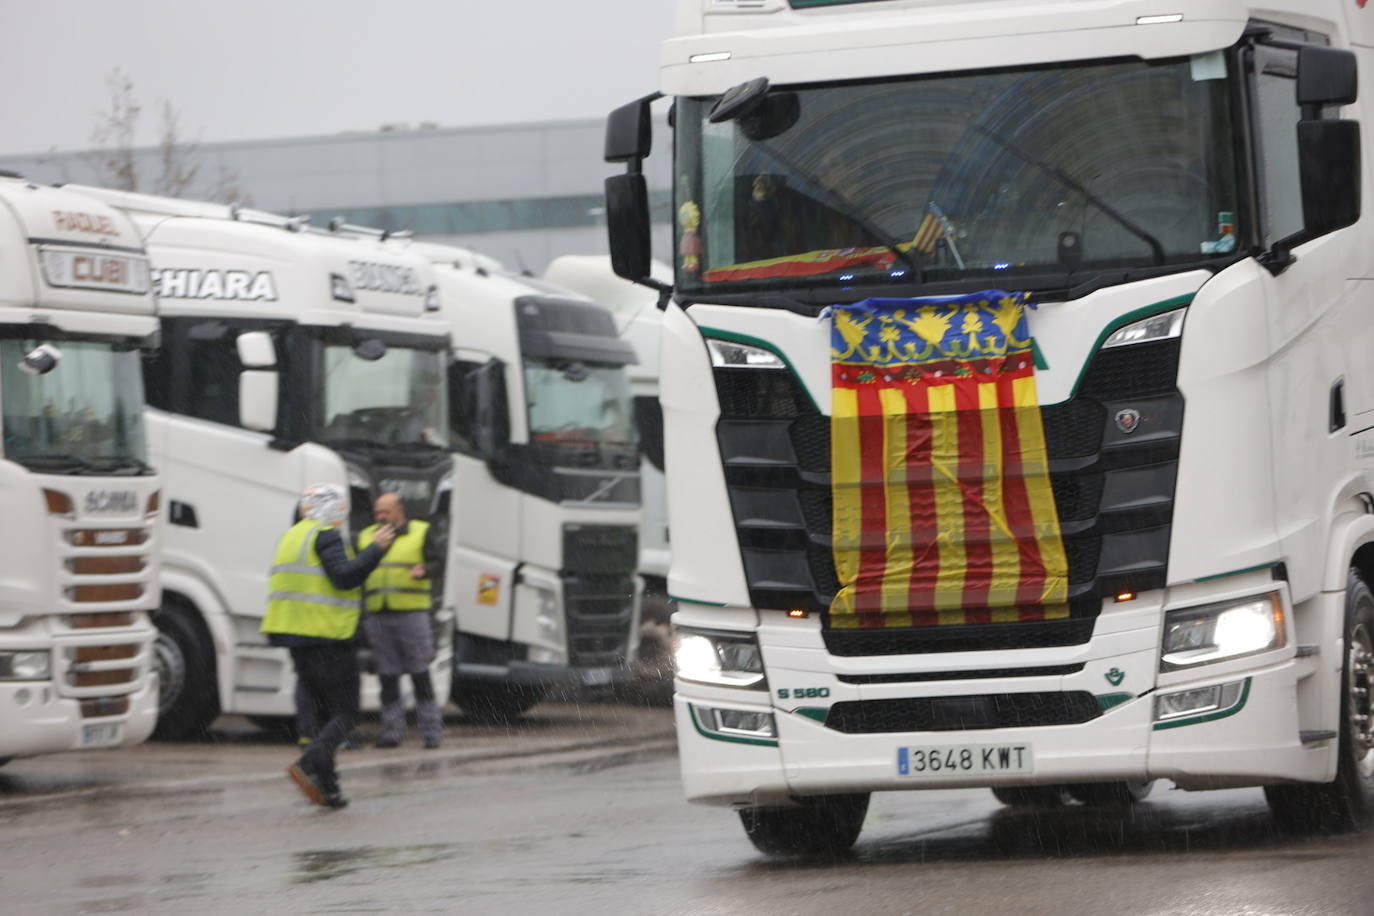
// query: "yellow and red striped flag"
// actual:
[[943, 510]]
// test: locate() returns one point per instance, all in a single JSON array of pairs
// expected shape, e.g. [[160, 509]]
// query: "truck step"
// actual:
[[1315, 737], [1307, 651]]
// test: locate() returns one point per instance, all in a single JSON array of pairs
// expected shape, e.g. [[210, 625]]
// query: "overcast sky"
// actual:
[[250, 69]]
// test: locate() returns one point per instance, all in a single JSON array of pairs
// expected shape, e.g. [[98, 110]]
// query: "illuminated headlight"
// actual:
[[1197, 636], [1198, 700], [725, 659], [25, 666], [743, 722], [726, 353], [1147, 330]]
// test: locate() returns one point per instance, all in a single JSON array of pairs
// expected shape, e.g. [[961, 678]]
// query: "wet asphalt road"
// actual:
[[578, 810]]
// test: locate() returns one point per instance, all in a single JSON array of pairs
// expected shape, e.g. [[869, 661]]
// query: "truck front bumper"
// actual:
[[1253, 741], [38, 721]]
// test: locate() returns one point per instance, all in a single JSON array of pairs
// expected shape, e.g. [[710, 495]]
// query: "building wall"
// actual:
[[521, 193]]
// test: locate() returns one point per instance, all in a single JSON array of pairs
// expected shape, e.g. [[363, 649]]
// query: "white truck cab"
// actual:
[[290, 356], [79, 499], [1177, 191], [546, 499]]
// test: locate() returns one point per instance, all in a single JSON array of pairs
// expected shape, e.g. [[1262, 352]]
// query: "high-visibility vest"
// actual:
[[301, 600], [389, 587]]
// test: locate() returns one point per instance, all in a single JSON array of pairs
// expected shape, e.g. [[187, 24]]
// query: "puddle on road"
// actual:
[[326, 864]]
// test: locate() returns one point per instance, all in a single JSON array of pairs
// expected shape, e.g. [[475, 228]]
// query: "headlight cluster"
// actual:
[[35, 665], [725, 353], [1197, 636], [724, 659]]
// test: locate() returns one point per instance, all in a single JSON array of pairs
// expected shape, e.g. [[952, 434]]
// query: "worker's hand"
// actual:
[[385, 535], [418, 571]]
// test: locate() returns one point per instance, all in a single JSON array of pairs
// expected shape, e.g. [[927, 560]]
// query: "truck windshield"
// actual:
[[397, 398], [84, 414], [1054, 170], [575, 403]]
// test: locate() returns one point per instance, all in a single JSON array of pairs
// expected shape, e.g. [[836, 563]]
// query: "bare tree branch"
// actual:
[[112, 139], [177, 155]]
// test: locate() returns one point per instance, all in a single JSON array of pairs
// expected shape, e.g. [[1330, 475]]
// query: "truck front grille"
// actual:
[[600, 609], [966, 713], [1113, 485]]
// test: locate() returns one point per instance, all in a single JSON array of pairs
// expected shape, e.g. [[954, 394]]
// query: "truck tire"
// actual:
[[1112, 794], [188, 698], [1032, 796], [495, 702], [823, 825], [1347, 802]]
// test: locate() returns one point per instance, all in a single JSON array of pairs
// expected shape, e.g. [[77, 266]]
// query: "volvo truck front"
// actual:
[[546, 503]]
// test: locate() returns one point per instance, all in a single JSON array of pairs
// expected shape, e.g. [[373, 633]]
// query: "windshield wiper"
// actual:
[[116, 463], [1053, 171]]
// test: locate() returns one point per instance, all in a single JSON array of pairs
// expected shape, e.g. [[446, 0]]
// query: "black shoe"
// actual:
[[385, 743], [309, 782], [431, 743], [329, 784]]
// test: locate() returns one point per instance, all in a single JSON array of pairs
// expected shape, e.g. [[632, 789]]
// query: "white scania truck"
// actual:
[[546, 508], [1177, 188], [78, 498], [290, 355]]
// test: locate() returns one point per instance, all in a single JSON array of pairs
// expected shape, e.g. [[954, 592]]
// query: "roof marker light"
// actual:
[[1159, 20], [708, 58]]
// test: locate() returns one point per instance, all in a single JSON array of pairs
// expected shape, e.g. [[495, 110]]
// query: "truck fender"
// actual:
[[1350, 531], [213, 614]]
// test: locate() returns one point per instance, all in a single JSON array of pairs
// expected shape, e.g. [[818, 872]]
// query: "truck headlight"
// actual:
[[727, 353], [1197, 636], [35, 665], [724, 659]]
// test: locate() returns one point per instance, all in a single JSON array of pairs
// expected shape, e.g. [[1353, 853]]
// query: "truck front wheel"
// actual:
[[819, 825], [1112, 794], [1032, 796], [187, 696], [1347, 802]]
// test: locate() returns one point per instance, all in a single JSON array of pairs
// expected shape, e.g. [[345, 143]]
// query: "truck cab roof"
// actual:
[[213, 259]]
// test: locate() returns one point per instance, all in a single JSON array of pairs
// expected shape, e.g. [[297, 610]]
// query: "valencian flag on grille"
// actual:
[[943, 512]]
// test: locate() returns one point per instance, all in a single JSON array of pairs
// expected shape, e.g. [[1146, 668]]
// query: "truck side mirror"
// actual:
[[256, 350], [1329, 163], [627, 226], [630, 131], [1327, 76], [258, 400]]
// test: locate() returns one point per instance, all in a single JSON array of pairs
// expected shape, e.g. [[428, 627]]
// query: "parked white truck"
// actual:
[[79, 500], [290, 355], [546, 507], [906, 559]]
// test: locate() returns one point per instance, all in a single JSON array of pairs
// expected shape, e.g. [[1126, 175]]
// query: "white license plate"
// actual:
[[964, 759], [103, 733]]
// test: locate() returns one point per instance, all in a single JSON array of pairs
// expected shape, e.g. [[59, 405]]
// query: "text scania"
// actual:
[[189, 283], [386, 278], [124, 502]]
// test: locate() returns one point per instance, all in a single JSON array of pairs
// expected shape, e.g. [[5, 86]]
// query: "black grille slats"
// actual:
[[963, 713], [1113, 457]]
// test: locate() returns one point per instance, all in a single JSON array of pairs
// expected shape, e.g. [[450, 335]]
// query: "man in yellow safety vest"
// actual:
[[398, 624], [312, 610]]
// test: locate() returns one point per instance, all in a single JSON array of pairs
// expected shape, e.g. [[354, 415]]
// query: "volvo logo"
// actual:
[[1127, 419]]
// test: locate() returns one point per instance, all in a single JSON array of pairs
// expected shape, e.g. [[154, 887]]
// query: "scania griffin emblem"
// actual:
[[1127, 419]]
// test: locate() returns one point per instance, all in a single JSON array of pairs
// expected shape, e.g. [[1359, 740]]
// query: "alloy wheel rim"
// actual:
[[171, 671], [1361, 666]]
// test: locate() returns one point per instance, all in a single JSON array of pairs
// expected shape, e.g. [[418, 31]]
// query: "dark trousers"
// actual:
[[329, 675]]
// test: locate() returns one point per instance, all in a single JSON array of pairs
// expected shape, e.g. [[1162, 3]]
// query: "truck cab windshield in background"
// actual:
[[377, 394], [1039, 173], [72, 406], [574, 403]]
